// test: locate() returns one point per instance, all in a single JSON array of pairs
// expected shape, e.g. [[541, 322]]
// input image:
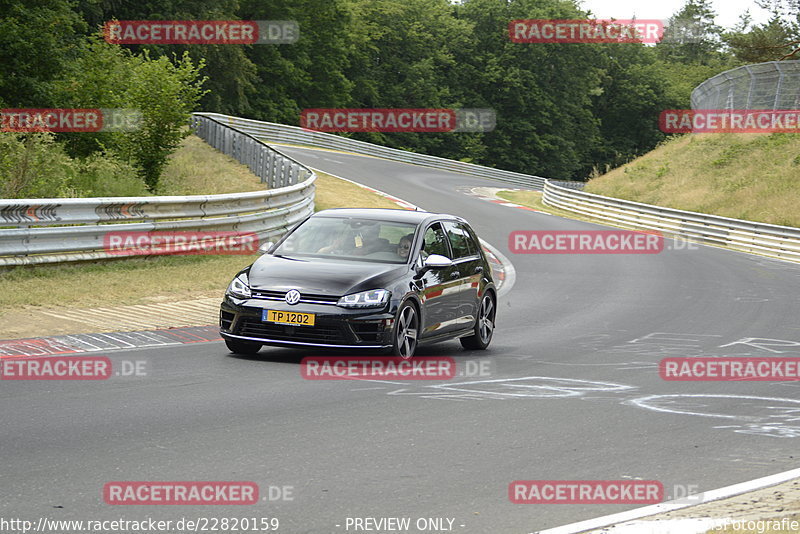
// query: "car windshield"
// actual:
[[350, 239]]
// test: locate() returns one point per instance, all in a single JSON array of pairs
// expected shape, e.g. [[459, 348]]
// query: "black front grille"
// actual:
[[333, 335], [304, 297]]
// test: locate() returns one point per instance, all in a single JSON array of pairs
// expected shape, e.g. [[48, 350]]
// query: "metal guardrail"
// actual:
[[282, 133], [570, 185], [73, 229], [275, 169], [770, 85], [766, 239], [770, 240], [272, 212]]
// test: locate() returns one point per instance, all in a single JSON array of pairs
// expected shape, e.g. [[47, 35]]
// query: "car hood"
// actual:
[[321, 276]]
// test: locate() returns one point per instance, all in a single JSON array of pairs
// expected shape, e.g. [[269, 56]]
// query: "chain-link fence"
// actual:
[[772, 85]]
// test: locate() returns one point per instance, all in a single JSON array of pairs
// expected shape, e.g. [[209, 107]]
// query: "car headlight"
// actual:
[[373, 298], [239, 287]]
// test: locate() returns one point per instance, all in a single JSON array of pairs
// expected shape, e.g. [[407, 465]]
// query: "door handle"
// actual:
[[455, 274]]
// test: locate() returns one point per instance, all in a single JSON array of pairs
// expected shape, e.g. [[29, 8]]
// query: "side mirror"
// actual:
[[437, 261], [434, 261], [265, 247]]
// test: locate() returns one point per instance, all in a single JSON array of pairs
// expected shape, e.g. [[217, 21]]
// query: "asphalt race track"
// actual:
[[572, 393]]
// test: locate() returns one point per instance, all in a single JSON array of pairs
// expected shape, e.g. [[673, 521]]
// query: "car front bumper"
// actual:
[[334, 327]]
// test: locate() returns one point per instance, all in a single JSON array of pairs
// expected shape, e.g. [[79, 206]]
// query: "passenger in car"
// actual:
[[404, 246]]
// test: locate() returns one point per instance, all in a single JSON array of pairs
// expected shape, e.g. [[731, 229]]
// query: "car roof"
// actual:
[[392, 215]]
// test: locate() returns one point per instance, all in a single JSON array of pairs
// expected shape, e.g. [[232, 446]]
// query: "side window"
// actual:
[[460, 240], [472, 240], [435, 242], [474, 246]]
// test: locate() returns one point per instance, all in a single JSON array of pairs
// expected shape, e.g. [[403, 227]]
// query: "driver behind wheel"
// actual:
[[367, 241], [361, 241]]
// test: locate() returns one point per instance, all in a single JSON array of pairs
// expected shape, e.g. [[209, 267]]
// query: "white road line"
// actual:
[[677, 504]]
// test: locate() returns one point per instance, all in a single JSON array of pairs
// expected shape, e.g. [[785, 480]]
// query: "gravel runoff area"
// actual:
[[754, 511]]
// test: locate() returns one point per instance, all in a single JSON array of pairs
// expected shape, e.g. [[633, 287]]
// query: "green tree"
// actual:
[[33, 166], [691, 36], [232, 77], [99, 78], [407, 56], [775, 40], [165, 93], [37, 38], [542, 93], [308, 73], [634, 92]]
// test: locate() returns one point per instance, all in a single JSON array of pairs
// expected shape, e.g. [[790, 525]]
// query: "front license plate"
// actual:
[[284, 317]]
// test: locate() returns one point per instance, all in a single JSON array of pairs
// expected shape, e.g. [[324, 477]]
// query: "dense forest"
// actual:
[[563, 110]]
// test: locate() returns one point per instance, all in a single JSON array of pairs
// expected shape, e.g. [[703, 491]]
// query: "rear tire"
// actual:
[[484, 325], [242, 347], [406, 331]]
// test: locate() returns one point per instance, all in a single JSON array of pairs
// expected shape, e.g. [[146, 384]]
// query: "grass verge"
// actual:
[[333, 192], [140, 280], [197, 169], [533, 199], [755, 177], [193, 170]]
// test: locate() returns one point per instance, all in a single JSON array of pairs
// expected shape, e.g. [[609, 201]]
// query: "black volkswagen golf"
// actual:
[[364, 278]]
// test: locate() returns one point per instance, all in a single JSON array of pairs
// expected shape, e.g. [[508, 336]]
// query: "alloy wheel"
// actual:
[[486, 319], [407, 325]]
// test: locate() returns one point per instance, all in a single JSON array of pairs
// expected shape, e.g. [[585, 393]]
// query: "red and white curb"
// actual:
[[489, 194], [81, 343]]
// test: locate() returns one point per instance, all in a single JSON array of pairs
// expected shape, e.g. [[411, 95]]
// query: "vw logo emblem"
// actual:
[[292, 296]]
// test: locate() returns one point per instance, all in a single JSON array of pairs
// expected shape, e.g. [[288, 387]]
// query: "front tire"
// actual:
[[484, 325], [242, 347], [406, 330]]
